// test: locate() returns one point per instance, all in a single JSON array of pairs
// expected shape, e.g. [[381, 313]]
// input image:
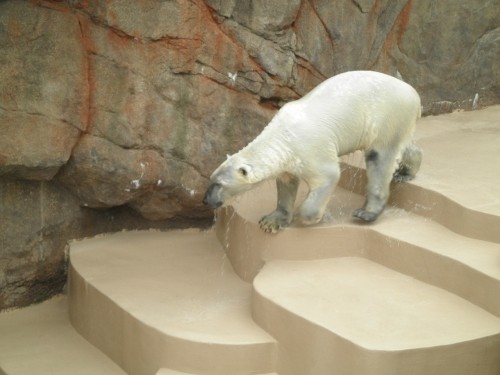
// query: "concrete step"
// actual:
[[129, 277], [152, 300], [165, 371], [401, 240], [358, 317], [40, 340], [430, 252]]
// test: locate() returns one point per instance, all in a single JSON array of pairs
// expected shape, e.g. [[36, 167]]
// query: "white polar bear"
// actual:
[[359, 110]]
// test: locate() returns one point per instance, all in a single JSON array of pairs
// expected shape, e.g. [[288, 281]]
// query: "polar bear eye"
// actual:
[[243, 171]]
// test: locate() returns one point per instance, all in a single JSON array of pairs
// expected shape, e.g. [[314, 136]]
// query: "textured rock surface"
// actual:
[[132, 104], [450, 49], [38, 220], [42, 89]]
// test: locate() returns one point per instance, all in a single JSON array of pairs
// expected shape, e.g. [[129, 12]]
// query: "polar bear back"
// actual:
[[352, 111]]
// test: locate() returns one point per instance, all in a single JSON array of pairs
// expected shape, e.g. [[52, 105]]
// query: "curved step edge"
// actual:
[[139, 348]]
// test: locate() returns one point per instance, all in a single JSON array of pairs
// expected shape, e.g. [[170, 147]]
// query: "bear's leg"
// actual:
[[379, 170], [280, 218], [410, 163], [321, 186]]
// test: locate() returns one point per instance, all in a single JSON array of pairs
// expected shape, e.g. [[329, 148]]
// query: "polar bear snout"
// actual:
[[213, 196]]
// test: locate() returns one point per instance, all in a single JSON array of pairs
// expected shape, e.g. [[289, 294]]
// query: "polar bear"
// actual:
[[358, 110]]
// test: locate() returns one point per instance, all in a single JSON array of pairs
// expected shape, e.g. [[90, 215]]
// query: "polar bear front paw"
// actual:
[[275, 221]]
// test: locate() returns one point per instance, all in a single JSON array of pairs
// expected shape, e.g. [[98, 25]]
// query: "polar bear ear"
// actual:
[[244, 170]]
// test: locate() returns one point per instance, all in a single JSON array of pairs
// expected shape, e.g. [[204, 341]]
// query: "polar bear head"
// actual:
[[234, 176]]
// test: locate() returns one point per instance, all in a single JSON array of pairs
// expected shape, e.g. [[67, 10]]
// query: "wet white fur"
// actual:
[[360, 110]]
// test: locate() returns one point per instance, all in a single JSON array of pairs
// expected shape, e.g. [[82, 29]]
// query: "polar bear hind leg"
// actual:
[[410, 163], [287, 186], [380, 166]]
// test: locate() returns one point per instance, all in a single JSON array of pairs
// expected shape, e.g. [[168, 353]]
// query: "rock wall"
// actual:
[[114, 113]]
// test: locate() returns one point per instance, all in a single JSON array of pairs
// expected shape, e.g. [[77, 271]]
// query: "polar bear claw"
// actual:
[[275, 221], [364, 215]]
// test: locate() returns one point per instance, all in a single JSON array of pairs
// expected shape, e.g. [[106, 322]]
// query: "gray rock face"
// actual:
[[115, 113], [43, 88], [450, 50]]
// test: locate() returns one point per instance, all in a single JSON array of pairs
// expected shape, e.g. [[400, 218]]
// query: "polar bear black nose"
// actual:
[[212, 196]]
